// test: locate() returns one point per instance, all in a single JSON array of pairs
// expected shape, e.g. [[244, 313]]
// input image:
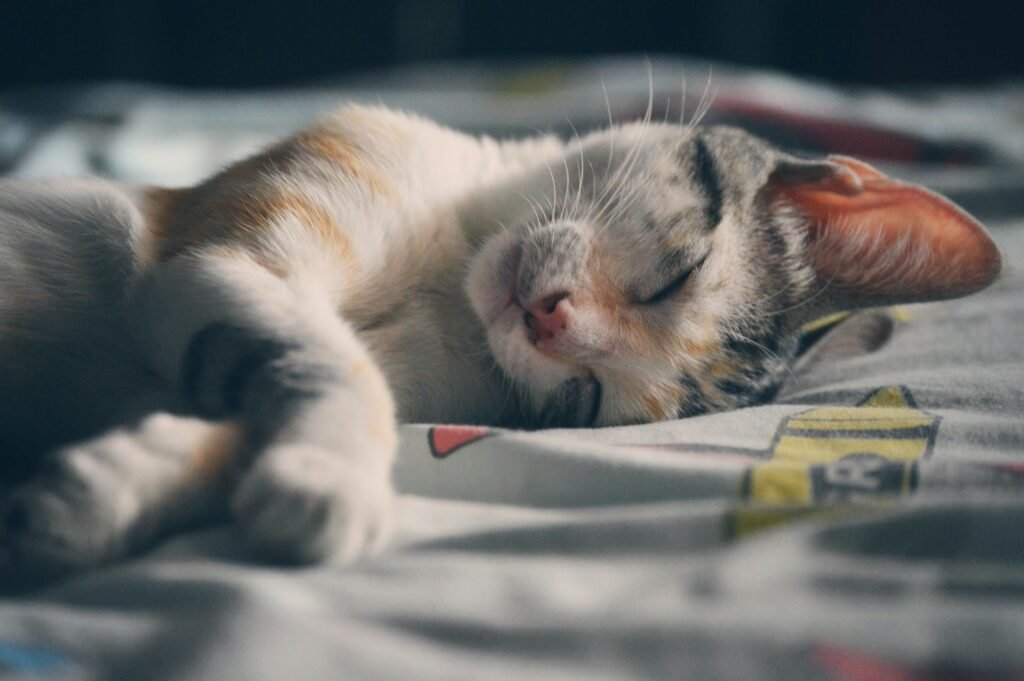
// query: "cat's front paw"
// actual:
[[303, 504], [66, 520]]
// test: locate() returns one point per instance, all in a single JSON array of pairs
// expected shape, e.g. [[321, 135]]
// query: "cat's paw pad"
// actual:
[[303, 504], [64, 521]]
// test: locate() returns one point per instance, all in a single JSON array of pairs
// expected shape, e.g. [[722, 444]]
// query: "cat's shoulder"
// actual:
[[79, 206]]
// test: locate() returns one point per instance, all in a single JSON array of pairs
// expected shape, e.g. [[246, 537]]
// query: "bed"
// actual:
[[866, 525]]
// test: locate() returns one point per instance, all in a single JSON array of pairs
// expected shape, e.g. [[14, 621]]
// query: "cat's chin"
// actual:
[[520, 359]]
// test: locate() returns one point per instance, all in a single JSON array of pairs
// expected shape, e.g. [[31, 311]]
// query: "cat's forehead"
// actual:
[[653, 147], [656, 182], [668, 196]]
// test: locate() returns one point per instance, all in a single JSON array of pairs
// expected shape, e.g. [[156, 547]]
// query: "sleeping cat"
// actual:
[[249, 344]]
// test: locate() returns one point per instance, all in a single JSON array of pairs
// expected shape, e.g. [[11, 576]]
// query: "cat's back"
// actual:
[[346, 187]]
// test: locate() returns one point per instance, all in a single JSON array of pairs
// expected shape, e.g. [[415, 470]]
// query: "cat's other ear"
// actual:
[[878, 241]]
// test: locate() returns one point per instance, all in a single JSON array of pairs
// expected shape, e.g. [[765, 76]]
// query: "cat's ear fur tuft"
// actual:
[[876, 241]]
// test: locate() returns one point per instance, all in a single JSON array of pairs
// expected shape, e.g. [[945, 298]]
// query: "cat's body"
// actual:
[[378, 265], [387, 246]]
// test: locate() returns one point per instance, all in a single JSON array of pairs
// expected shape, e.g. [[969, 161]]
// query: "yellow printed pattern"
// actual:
[[837, 453]]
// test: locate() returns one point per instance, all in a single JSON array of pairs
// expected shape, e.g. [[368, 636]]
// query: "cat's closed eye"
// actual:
[[673, 286]]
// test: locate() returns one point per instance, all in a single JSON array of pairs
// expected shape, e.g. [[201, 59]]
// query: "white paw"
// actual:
[[69, 518], [303, 504]]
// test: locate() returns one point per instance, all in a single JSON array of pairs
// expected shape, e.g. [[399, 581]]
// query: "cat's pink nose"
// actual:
[[548, 317]]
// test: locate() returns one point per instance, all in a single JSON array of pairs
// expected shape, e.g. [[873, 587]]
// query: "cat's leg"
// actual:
[[103, 499], [271, 351]]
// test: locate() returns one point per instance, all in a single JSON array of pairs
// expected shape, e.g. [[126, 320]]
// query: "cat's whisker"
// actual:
[[622, 205], [607, 197], [773, 296], [682, 102], [617, 181], [706, 100], [579, 186], [614, 203], [765, 349], [617, 206], [617, 184], [623, 202], [500, 223], [568, 179], [695, 117], [806, 301], [554, 191], [534, 206], [650, 88], [708, 105], [611, 122], [625, 196]]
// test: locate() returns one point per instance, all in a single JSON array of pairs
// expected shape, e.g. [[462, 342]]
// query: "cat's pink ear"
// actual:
[[877, 241]]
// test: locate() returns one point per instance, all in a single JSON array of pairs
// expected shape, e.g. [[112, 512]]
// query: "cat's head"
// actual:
[[662, 271]]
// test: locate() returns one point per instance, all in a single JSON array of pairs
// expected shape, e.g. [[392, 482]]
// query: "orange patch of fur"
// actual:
[[711, 392], [240, 222], [344, 154], [215, 457], [313, 216], [654, 409], [697, 349], [661, 404], [722, 368], [158, 207], [614, 305], [603, 290], [237, 206]]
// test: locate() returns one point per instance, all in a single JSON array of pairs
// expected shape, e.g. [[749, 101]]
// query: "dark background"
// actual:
[[220, 44]]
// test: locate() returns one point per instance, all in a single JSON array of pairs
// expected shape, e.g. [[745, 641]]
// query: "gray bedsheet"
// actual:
[[867, 525]]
